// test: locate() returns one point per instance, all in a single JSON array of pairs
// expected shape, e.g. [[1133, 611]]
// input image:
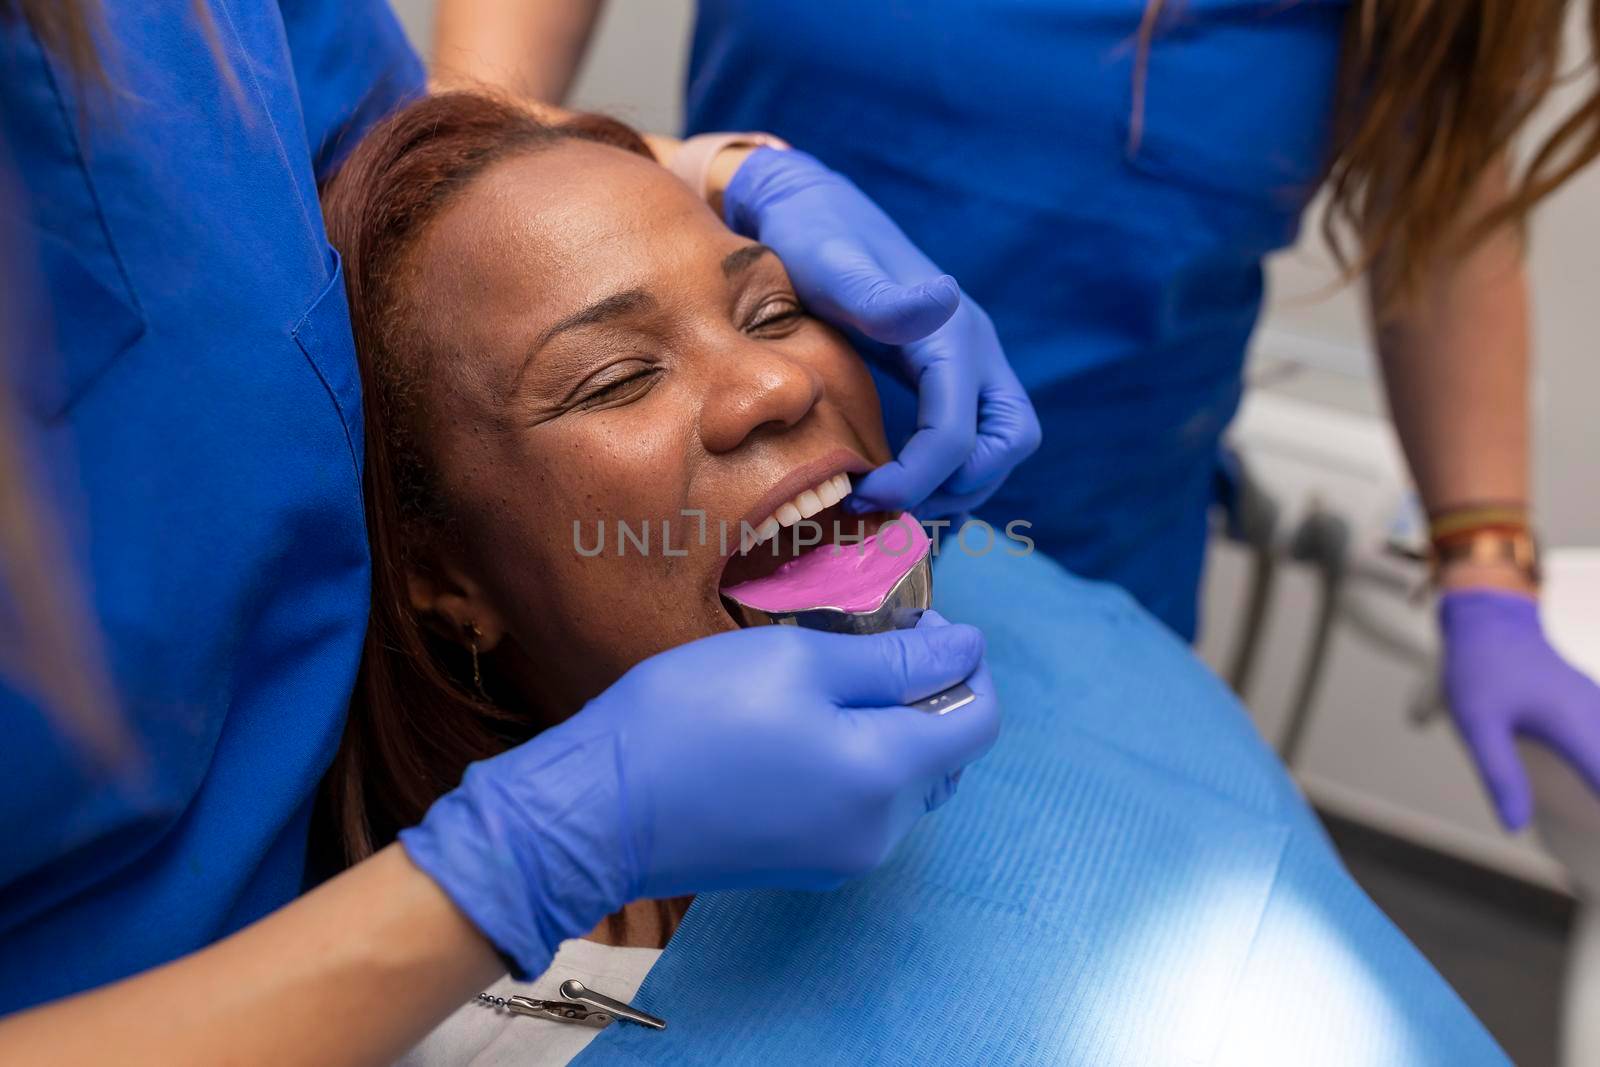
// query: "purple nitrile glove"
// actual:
[[853, 266], [1503, 680]]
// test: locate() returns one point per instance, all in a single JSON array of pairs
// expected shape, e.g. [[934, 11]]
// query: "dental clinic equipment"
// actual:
[[883, 582], [578, 1004]]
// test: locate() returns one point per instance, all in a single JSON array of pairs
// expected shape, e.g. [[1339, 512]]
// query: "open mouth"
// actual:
[[814, 519]]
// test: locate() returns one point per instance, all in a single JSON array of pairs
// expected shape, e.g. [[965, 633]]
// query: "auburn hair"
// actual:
[[417, 719], [1431, 96]]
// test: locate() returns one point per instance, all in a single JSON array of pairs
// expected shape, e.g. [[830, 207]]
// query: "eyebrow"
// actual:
[[741, 258], [629, 301], [614, 306]]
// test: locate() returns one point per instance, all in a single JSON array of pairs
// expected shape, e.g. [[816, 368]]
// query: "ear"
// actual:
[[452, 602]]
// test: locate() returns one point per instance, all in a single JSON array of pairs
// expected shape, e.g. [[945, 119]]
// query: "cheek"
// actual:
[[627, 463], [849, 384], [560, 499]]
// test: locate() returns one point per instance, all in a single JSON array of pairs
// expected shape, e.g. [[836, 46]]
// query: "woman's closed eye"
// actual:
[[619, 383], [776, 317]]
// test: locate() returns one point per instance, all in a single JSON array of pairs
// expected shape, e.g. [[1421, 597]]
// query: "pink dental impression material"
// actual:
[[852, 577]]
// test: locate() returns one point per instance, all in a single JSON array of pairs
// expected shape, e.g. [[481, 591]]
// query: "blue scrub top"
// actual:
[[206, 392], [1122, 270]]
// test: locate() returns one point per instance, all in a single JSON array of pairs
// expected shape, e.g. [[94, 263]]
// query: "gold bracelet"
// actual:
[[1488, 547]]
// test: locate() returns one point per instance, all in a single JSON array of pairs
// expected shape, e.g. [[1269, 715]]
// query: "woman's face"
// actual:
[[611, 353]]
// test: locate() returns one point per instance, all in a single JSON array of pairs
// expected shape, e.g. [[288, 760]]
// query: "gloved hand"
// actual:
[[1502, 679], [773, 756], [852, 265]]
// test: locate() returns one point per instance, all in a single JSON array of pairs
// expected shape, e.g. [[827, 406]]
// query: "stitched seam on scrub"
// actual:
[[78, 155]]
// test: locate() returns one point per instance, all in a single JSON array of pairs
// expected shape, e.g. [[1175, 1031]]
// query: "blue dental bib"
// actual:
[[1129, 877]]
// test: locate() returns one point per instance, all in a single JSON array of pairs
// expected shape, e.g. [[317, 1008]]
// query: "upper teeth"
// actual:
[[805, 504]]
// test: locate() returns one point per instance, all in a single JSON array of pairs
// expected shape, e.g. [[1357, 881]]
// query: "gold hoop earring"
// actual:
[[473, 636]]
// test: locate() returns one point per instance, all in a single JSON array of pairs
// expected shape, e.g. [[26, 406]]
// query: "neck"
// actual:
[[641, 924]]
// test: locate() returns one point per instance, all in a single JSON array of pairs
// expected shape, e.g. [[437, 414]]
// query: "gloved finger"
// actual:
[[937, 747], [1008, 433], [882, 670], [1495, 753], [900, 314], [947, 417], [841, 280], [1572, 730]]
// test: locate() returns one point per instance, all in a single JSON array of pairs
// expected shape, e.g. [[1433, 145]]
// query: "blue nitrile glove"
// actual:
[[1503, 680], [773, 756], [852, 265]]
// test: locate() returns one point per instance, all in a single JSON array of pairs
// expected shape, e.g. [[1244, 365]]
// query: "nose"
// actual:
[[756, 391]]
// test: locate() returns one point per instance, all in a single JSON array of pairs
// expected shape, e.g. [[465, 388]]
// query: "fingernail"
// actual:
[[959, 639], [945, 289]]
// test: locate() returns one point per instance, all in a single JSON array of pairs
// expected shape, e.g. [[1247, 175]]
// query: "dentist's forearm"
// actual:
[[531, 48], [353, 973], [1455, 361]]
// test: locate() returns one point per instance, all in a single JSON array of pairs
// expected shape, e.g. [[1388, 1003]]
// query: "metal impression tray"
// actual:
[[900, 609], [902, 606]]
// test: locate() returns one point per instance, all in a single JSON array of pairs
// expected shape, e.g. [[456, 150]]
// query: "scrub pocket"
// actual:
[[324, 336], [1237, 102]]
